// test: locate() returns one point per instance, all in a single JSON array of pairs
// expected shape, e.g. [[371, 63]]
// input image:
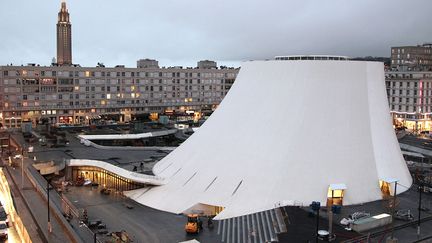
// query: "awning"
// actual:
[[339, 186], [390, 180]]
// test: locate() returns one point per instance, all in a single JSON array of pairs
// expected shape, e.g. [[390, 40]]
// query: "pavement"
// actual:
[[13, 235], [423, 142], [38, 207], [143, 224]]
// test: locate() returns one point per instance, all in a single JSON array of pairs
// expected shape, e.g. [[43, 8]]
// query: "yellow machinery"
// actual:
[[193, 224]]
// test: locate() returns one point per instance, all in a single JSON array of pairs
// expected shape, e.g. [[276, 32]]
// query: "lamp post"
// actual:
[[49, 219], [393, 210], [420, 189], [315, 206], [22, 168]]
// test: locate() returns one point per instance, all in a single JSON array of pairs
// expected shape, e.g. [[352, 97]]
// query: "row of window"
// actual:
[[103, 103], [407, 108], [52, 81], [411, 100], [167, 74]]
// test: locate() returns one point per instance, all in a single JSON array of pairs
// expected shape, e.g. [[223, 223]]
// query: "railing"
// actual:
[[367, 237], [38, 181]]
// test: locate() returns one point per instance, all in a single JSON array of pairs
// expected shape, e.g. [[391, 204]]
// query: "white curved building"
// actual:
[[287, 133]]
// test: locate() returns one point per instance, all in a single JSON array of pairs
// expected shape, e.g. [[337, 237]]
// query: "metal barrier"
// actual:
[[38, 181]]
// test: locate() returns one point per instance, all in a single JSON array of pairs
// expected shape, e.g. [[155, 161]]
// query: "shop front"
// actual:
[[102, 177]]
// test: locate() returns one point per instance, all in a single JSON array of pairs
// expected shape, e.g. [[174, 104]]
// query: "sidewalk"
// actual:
[[38, 207], [32, 229]]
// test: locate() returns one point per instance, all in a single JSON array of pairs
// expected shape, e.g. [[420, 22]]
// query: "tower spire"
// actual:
[[64, 36]]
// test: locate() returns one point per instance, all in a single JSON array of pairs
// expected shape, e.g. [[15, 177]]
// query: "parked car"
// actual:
[[3, 231], [4, 217]]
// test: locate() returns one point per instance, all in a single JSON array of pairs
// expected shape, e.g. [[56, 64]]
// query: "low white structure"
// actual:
[[313, 124], [126, 136], [133, 176]]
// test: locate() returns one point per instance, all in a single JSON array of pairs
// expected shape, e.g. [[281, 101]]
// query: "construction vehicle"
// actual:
[[120, 237], [193, 224]]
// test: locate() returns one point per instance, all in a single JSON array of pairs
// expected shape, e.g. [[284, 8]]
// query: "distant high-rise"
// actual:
[[64, 37], [412, 58]]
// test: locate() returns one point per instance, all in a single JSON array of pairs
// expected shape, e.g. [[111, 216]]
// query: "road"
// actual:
[[142, 223], [421, 142], [13, 235]]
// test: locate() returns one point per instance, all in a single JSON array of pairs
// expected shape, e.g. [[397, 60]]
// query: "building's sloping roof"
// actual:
[[133, 176], [285, 132]]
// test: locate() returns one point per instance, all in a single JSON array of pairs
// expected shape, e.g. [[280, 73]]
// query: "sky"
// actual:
[[182, 32]]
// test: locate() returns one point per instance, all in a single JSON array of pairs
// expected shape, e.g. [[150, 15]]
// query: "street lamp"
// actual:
[[420, 189], [393, 209], [316, 207], [49, 219], [22, 168]]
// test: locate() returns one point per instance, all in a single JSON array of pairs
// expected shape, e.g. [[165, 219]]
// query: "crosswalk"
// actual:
[[253, 228]]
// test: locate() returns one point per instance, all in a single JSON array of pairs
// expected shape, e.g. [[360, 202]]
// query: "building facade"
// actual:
[[75, 95], [64, 37], [409, 87], [410, 99], [412, 58]]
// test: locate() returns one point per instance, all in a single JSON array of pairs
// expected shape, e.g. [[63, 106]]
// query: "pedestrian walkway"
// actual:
[[38, 207], [21, 209]]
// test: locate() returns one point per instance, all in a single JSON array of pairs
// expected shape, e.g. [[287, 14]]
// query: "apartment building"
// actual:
[[76, 95], [412, 58], [410, 99]]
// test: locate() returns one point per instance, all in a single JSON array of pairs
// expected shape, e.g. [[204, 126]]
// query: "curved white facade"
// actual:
[[133, 176], [282, 135]]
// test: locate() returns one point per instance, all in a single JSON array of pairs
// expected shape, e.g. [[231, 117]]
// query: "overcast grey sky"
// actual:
[[181, 32]]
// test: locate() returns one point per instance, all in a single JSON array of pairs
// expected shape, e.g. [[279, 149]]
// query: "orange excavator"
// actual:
[[193, 224]]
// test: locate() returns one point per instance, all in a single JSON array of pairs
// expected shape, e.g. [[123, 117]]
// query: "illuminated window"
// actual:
[[6, 104], [87, 73], [132, 88], [335, 194], [133, 95], [103, 102], [76, 88], [108, 96]]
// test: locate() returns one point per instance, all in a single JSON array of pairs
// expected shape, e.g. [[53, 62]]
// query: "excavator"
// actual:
[[193, 224]]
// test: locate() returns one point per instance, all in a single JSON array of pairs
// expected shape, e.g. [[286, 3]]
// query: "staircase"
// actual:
[[253, 228]]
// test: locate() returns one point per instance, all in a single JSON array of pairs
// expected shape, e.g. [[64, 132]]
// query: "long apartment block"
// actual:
[[74, 94]]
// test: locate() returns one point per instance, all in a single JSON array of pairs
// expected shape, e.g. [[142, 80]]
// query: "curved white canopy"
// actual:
[[133, 176], [285, 132], [127, 136]]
